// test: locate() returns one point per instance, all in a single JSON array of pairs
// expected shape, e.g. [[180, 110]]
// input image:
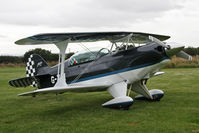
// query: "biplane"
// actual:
[[132, 59]]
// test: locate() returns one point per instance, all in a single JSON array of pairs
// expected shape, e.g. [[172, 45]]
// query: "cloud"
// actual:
[[86, 14], [23, 18], [2, 36]]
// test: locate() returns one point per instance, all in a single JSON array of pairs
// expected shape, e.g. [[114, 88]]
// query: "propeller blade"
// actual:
[[184, 55], [174, 45], [153, 39], [174, 51]]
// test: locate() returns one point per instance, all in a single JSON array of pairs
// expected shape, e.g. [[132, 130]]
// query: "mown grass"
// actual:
[[177, 112]]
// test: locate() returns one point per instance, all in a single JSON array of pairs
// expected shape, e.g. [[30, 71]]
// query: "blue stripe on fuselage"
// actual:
[[118, 71]]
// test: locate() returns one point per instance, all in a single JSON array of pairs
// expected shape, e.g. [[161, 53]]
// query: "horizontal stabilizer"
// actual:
[[61, 89], [22, 82], [27, 81]]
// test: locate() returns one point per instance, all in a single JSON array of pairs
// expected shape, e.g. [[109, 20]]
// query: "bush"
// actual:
[[11, 59], [182, 63], [192, 51]]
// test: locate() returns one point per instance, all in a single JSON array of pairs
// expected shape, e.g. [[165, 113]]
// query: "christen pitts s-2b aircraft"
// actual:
[[133, 58]]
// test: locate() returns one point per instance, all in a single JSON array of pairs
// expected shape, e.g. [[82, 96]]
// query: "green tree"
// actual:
[[191, 51], [46, 54], [11, 59]]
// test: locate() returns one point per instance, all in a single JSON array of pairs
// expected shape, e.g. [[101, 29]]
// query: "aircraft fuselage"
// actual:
[[131, 65]]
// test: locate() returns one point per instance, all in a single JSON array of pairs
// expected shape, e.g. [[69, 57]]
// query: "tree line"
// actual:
[[192, 51], [45, 54], [50, 57]]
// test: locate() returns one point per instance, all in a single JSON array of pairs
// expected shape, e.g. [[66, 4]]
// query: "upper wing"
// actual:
[[87, 87], [52, 38]]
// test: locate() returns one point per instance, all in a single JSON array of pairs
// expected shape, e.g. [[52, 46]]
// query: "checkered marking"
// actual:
[[30, 69]]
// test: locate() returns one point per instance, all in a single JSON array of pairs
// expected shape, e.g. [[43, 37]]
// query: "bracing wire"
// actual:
[[78, 77]]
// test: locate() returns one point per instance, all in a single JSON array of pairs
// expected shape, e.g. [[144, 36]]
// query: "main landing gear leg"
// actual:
[[120, 100], [145, 94]]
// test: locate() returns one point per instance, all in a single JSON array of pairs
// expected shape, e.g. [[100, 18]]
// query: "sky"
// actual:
[[22, 18]]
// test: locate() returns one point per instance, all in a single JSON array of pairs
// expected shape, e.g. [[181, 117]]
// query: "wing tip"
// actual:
[[27, 93], [24, 41]]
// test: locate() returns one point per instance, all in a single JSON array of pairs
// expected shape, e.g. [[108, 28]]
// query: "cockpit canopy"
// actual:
[[87, 55]]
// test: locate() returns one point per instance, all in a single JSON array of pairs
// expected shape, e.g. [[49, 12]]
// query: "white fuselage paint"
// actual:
[[130, 76]]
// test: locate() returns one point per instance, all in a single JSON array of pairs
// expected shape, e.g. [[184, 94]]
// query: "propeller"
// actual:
[[172, 48], [153, 39]]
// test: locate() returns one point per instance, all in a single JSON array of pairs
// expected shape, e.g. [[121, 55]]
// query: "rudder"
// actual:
[[33, 64]]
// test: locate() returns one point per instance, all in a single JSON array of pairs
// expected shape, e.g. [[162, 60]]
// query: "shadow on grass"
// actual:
[[72, 106]]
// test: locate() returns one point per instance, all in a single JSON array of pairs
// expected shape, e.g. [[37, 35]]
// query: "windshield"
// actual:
[[87, 55]]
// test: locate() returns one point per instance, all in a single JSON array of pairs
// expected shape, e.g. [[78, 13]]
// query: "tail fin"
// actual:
[[34, 63]]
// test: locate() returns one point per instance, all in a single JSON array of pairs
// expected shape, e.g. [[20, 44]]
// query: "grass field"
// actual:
[[177, 112]]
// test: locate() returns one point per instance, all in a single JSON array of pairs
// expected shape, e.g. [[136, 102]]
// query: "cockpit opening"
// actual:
[[87, 55]]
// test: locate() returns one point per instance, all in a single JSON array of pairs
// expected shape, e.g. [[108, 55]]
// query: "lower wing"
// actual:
[[58, 89]]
